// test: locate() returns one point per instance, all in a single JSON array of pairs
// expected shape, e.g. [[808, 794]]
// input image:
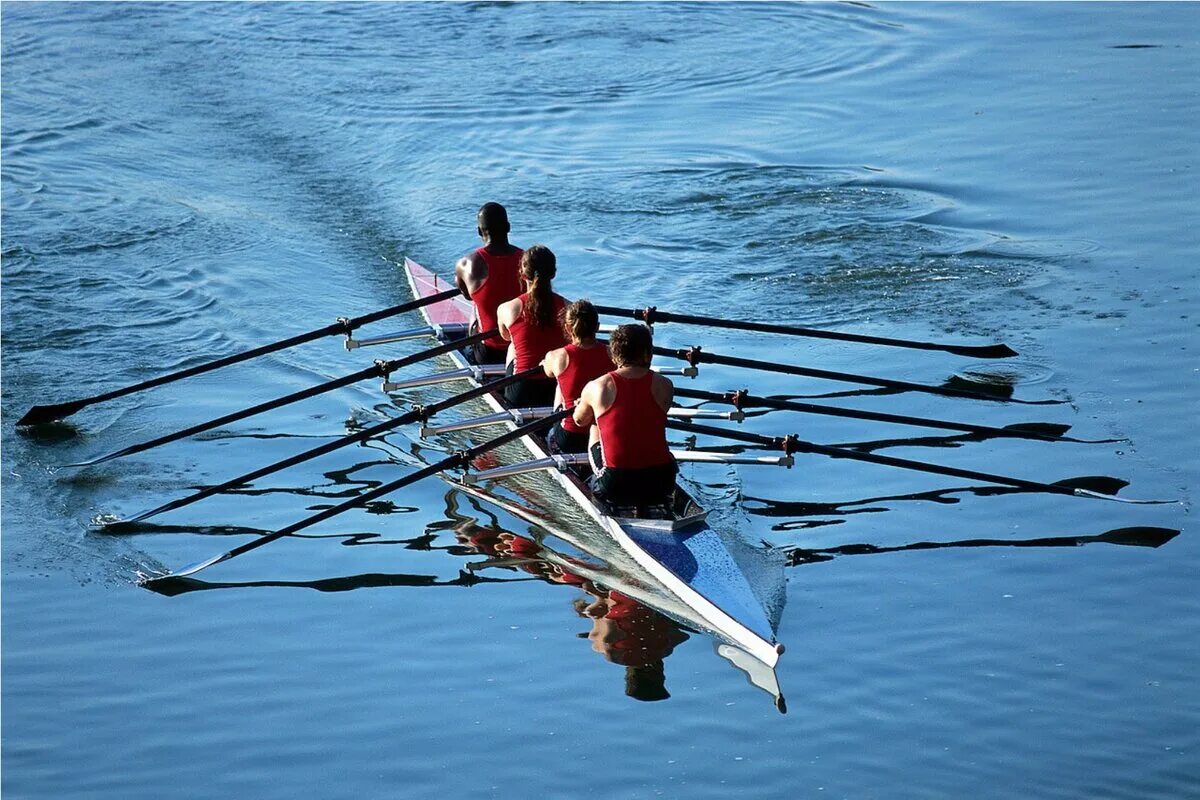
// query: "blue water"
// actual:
[[183, 181]]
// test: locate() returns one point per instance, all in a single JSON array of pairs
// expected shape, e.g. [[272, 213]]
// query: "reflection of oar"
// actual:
[[39, 415], [175, 586], [652, 315], [744, 400], [791, 444], [379, 370], [459, 459], [417, 414], [695, 356], [1133, 537]]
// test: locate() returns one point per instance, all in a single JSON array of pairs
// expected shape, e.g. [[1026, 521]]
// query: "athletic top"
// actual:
[[633, 431], [583, 365], [503, 283], [530, 342]]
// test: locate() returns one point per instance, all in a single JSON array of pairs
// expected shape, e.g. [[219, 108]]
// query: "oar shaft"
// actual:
[[378, 370], [315, 452], [653, 315], [459, 459], [696, 355], [749, 400], [47, 413], [801, 446]]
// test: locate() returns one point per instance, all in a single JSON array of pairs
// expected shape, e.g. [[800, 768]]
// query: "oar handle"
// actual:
[[652, 315]]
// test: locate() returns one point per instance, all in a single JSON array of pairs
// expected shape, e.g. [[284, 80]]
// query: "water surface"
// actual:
[[182, 181]]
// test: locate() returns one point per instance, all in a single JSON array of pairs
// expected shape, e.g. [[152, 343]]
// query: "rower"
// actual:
[[489, 276], [533, 323], [582, 360], [629, 406]]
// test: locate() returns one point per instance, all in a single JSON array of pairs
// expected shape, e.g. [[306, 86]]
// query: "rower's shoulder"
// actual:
[[558, 359]]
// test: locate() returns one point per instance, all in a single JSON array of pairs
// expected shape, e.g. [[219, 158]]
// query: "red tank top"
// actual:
[[583, 365], [530, 342], [503, 283], [633, 432]]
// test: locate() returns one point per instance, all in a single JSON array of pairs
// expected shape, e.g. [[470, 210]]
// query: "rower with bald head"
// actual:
[[628, 446], [490, 276], [533, 323]]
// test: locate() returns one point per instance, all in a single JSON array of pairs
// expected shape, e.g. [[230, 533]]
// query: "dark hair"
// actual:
[[493, 219], [580, 320], [647, 683], [630, 345], [538, 268]]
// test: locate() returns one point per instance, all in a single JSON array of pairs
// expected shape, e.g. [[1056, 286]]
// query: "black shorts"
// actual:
[[529, 392], [482, 354], [648, 486], [563, 441]]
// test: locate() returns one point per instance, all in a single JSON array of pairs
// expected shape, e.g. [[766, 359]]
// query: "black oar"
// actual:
[[417, 414], [460, 459], [791, 444], [379, 370], [652, 315], [744, 400], [39, 415], [695, 355]]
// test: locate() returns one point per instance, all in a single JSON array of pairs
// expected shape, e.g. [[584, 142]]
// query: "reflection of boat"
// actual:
[[686, 565]]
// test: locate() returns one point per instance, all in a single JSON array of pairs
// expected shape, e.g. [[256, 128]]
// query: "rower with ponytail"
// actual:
[[533, 324]]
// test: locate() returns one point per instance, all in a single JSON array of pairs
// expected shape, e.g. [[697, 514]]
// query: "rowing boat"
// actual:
[[683, 553]]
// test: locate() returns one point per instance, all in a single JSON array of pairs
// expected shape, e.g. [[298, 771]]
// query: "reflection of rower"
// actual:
[[628, 449], [583, 360], [533, 323], [490, 276], [637, 637]]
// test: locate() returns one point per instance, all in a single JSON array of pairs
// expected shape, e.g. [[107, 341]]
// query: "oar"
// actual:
[[39, 415], [420, 413], [460, 459], [1135, 537], [652, 315], [791, 444], [695, 355], [379, 370], [743, 400]]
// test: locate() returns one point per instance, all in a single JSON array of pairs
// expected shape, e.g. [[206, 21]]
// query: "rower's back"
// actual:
[[490, 276], [629, 453]]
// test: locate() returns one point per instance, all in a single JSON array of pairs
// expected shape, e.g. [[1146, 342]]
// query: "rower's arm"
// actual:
[[468, 273], [506, 315], [585, 412]]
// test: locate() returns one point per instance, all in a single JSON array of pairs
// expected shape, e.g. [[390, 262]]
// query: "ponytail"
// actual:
[[580, 321], [538, 268]]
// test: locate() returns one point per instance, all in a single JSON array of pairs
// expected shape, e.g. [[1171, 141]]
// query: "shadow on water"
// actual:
[[871, 505], [624, 631], [1130, 537]]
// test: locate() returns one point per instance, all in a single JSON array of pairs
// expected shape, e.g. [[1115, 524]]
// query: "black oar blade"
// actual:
[[995, 388], [1102, 484], [982, 351], [1039, 428], [43, 415], [1139, 536], [170, 585]]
